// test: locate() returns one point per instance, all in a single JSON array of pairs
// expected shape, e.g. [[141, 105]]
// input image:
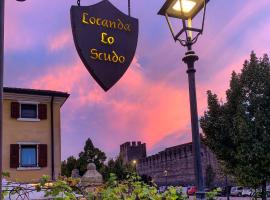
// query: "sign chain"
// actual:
[[128, 7]]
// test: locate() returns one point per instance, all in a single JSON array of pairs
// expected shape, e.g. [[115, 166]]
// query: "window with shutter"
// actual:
[[42, 155], [28, 111], [15, 110], [28, 155], [14, 155], [25, 111], [42, 111]]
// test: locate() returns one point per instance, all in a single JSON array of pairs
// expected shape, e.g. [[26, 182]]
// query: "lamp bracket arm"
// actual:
[[170, 26], [204, 11], [194, 40], [182, 42], [179, 34]]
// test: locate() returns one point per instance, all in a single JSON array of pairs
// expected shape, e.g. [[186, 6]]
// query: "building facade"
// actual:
[[175, 166], [132, 151], [32, 133]]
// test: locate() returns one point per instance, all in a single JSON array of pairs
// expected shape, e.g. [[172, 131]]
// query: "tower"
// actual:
[[132, 151]]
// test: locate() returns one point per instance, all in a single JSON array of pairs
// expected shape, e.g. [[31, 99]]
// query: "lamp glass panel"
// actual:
[[190, 8], [187, 5]]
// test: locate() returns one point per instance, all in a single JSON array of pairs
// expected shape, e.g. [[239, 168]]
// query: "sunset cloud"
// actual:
[[151, 113], [61, 41], [150, 103]]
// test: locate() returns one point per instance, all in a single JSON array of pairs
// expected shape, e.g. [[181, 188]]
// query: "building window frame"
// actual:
[[24, 144], [26, 118]]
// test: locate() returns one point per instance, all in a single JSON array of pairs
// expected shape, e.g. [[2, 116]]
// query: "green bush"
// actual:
[[134, 189]]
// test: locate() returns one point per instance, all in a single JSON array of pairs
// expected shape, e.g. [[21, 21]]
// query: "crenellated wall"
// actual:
[[175, 166], [130, 151]]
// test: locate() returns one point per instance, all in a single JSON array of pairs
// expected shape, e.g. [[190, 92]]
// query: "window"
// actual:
[[28, 156], [29, 111]]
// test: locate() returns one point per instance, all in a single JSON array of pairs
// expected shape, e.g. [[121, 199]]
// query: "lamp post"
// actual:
[[2, 15], [166, 177], [185, 11]]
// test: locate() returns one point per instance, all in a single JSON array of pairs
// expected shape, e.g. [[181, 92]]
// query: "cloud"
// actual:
[[63, 78], [136, 108], [242, 18], [60, 41], [151, 102]]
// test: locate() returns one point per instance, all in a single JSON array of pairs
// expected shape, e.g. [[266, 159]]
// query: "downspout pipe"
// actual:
[[52, 138]]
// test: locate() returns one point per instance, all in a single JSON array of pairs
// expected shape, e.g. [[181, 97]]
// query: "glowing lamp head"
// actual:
[[183, 9], [134, 162], [185, 5]]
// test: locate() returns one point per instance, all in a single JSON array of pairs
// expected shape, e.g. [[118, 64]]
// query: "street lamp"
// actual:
[[186, 11], [134, 162], [166, 177]]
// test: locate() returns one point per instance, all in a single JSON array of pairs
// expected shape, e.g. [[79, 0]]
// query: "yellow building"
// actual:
[[32, 133]]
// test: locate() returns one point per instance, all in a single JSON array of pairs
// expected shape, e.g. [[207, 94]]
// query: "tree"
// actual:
[[91, 154], [68, 166], [119, 168], [239, 130]]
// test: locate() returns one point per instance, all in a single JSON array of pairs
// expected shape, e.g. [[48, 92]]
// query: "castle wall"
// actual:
[[130, 151], [175, 166]]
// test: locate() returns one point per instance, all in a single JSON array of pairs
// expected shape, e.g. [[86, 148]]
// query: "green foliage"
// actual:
[[212, 195], [132, 189], [62, 189], [5, 175], [91, 154], [68, 165], [239, 130], [117, 167]]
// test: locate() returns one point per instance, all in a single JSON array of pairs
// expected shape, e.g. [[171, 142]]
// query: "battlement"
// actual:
[[178, 163], [183, 151], [133, 151], [128, 145]]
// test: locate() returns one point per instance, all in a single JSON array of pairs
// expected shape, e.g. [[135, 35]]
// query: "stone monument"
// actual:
[[91, 179]]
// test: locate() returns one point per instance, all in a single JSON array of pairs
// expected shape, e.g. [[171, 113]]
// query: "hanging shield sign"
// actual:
[[106, 40]]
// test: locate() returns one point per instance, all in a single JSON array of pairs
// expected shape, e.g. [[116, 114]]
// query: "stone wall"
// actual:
[[130, 151], [175, 166]]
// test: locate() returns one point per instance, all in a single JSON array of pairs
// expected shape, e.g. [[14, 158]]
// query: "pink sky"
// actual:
[[151, 101]]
